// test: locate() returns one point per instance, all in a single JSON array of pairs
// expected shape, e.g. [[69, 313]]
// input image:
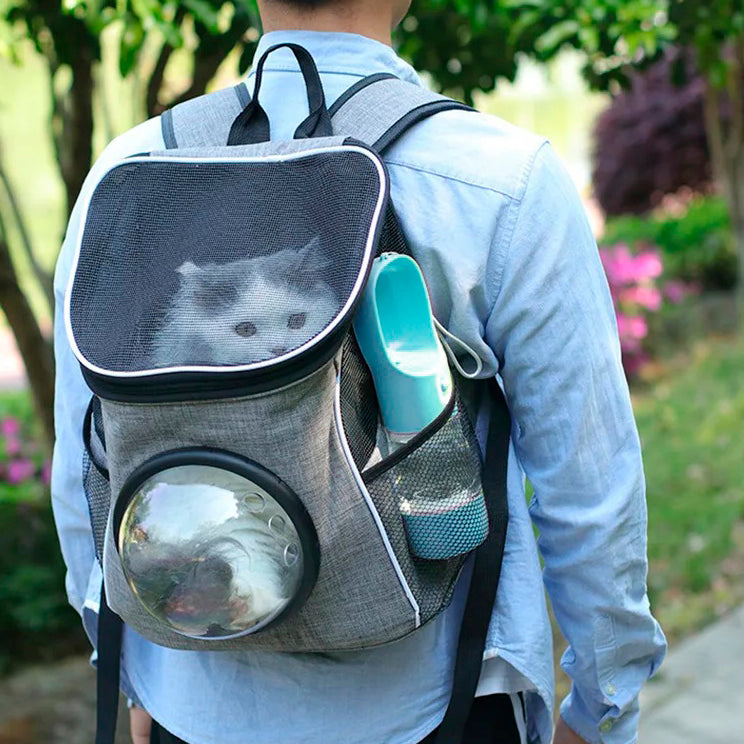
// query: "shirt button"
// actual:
[[605, 726], [610, 689]]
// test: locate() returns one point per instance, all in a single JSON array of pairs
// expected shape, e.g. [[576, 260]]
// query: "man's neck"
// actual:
[[364, 19]]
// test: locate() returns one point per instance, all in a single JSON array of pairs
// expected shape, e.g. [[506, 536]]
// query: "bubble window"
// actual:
[[213, 544]]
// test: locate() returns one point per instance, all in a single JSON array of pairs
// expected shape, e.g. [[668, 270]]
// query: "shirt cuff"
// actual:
[[616, 722]]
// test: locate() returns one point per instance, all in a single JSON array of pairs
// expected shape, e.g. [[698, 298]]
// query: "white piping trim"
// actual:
[[370, 504], [356, 289]]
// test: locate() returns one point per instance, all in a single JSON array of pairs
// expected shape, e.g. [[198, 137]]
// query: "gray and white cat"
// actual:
[[201, 555], [246, 311]]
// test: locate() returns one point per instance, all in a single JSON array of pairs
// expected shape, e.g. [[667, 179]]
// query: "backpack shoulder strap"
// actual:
[[380, 108], [205, 120]]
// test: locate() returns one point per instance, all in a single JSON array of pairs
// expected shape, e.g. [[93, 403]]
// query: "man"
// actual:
[[513, 270]]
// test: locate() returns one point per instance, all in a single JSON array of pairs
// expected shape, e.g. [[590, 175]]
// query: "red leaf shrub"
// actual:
[[651, 140]]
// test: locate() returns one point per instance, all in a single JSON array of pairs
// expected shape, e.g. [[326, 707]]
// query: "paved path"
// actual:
[[53, 704], [698, 695]]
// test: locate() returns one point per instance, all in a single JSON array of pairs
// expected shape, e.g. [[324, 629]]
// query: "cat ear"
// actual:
[[312, 260], [313, 245], [187, 268]]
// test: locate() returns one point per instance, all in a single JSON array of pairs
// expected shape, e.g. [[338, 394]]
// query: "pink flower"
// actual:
[[647, 265], [12, 446], [675, 291], [631, 326], [618, 264], [20, 471], [634, 362], [622, 267], [648, 297], [10, 427], [632, 330]]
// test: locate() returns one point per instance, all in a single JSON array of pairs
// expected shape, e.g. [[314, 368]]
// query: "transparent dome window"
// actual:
[[213, 553]]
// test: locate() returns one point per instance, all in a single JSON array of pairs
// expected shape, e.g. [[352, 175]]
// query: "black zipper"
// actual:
[[172, 387]]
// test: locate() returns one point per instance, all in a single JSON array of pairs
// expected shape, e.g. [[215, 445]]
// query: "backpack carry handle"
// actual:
[[251, 126]]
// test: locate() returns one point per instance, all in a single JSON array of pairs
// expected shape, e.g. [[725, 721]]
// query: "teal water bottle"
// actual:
[[444, 515]]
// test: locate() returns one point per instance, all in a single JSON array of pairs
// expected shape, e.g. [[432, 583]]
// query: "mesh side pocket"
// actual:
[[98, 494], [359, 409], [432, 506], [95, 474]]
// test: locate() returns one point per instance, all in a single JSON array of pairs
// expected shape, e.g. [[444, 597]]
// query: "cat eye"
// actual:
[[297, 320], [245, 329]]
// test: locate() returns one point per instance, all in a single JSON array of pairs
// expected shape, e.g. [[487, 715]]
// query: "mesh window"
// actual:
[[433, 510], [98, 494], [220, 264], [359, 409], [95, 475]]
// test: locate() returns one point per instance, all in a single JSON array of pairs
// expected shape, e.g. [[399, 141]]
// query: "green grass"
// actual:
[[690, 421]]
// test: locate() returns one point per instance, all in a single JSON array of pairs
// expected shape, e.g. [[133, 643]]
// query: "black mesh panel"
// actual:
[[95, 473], [219, 264], [98, 494], [392, 239], [359, 409]]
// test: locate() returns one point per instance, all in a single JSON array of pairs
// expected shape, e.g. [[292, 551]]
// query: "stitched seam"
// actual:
[[449, 177]]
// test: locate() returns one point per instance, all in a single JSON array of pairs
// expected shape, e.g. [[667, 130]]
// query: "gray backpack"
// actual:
[[237, 494]]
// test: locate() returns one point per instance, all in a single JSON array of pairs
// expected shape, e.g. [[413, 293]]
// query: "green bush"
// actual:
[[696, 247], [36, 622]]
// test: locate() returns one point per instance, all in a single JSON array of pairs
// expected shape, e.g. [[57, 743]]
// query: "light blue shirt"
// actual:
[[513, 270]]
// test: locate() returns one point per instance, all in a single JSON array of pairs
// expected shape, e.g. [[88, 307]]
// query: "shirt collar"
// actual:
[[336, 52]]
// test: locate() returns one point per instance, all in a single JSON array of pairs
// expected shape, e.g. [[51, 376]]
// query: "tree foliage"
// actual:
[[68, 37], [621, 37], [465, 45]]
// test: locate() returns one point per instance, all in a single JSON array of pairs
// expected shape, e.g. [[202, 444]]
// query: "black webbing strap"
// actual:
[[485, 576], [107, 683], [380, 108]]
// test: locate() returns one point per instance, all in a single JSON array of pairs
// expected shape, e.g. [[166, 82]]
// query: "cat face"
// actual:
[[232, 584], [247, 311], [202, 561]]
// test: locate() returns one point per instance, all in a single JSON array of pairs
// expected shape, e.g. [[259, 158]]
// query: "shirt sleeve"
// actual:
[[72, 396], [553, 329]]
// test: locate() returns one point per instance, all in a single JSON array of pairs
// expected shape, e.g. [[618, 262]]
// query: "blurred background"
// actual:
[[644, 101]]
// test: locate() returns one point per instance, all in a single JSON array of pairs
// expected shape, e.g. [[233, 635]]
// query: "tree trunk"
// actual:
[[155, 83], [737, 221], [77, 137], [211, 53], [205, 68], [34, 348], [726, 144]]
